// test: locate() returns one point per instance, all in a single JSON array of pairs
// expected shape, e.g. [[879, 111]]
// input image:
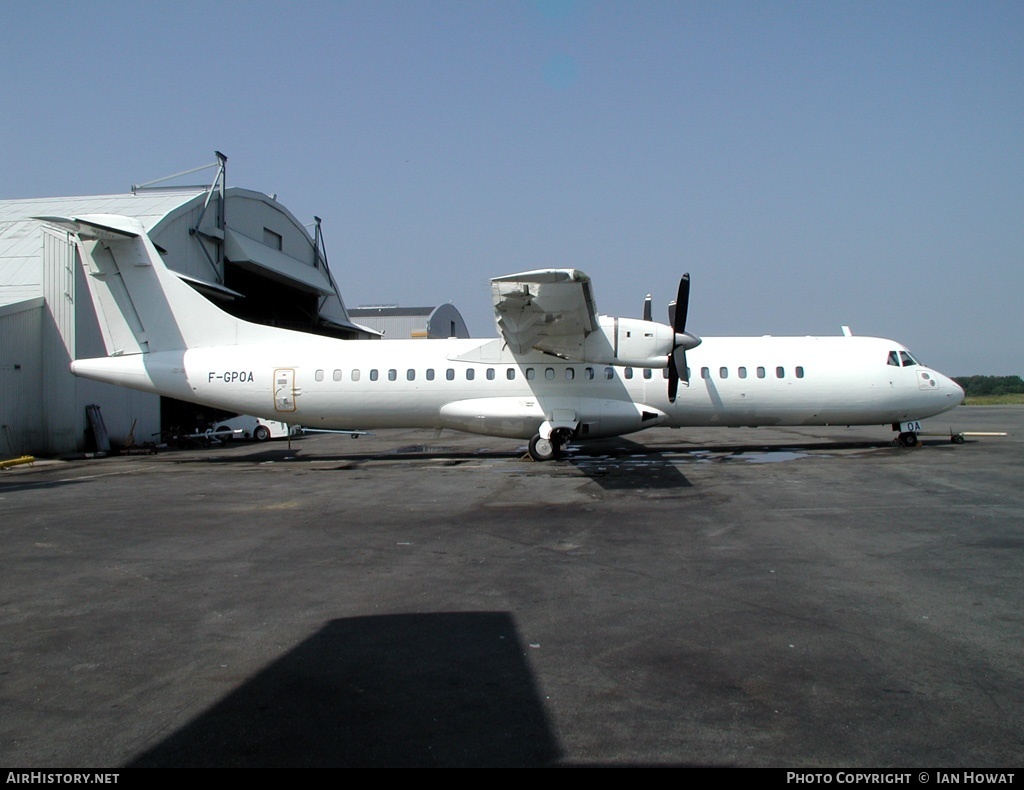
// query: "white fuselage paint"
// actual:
[[311, 381]]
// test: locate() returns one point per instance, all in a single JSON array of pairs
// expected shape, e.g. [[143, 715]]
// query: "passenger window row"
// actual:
[[550, 374]]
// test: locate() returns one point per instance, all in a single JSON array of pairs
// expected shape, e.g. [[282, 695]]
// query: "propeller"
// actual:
[[647, 308], [684, 340]]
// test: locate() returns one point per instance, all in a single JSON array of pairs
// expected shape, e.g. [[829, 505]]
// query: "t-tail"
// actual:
[[147, 316]]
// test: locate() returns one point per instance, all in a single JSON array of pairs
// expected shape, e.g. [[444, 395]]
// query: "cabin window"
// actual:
[[760, 372], [531, 374], [392, 375], [609, 373], [628, 373], [430, 374], [319, 375], [373, 374], [450, 374], [741, 372], [470, 374], [799, 371], [549, 374], [588, 374], [705, 373], [337, 375], [780, 372], [648, 373], [723, 373], [410, 375], [510, 374], [570, 374], [355, 374], [490, 374]]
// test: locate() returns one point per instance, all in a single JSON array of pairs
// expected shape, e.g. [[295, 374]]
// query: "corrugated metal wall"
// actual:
[[58, 341], [21, 381]]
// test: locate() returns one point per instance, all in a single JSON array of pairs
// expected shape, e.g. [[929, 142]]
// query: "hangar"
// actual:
[[240, 248], [402, 323]]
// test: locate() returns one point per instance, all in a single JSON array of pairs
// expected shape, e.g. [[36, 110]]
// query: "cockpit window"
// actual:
[[906, 359], [894, 359]]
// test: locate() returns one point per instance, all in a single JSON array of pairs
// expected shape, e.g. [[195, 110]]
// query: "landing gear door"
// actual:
[[284, 389]]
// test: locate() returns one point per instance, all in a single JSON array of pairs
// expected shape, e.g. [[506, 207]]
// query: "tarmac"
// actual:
[[789, 597]]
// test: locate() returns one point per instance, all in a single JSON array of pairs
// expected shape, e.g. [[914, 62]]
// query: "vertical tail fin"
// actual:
[[142, 306]]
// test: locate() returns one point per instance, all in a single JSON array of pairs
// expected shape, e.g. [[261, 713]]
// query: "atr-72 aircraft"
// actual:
[[558, 373]]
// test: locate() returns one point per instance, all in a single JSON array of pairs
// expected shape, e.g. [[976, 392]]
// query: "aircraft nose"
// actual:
[[959, 391], [953, 390]]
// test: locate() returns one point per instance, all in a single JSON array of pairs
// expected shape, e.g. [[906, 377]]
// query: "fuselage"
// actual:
[[480, 387]]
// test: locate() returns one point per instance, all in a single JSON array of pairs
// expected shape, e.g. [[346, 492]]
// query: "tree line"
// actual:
[[990, 385]]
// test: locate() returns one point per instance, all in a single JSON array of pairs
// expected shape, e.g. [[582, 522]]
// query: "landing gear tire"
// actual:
[[544, 449], [907, 439]]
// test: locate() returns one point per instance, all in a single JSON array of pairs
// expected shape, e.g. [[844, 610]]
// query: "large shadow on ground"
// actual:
[[448, 689]]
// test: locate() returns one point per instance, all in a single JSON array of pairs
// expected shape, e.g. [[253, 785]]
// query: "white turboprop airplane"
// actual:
[[559, 371]]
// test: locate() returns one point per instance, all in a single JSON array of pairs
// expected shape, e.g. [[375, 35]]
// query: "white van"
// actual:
[[245, 426]]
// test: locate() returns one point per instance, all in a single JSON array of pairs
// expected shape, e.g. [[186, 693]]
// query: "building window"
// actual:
[[271, 239]]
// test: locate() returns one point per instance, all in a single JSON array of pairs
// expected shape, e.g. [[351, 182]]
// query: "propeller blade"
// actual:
[[682, 301], [677, 311], [647, 308]]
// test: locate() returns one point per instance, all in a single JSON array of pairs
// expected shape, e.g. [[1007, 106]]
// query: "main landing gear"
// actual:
[[549, 449]]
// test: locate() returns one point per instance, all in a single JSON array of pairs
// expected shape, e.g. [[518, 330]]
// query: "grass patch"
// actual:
[[1014, 399]]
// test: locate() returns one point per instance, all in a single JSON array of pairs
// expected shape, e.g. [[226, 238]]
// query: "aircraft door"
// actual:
[[284, 389]]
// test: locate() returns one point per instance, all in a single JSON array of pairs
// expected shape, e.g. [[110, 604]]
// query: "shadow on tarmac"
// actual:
[[442, 689]]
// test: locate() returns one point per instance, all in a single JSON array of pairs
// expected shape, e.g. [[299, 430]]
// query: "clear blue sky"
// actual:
[[809, 163]]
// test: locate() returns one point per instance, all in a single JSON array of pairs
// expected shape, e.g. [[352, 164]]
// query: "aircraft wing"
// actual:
[[550, 310]]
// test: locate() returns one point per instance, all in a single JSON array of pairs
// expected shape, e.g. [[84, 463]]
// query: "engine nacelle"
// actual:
[[630, 341]]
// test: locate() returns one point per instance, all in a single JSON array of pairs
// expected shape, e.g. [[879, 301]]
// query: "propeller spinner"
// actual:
[[684, 340]]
